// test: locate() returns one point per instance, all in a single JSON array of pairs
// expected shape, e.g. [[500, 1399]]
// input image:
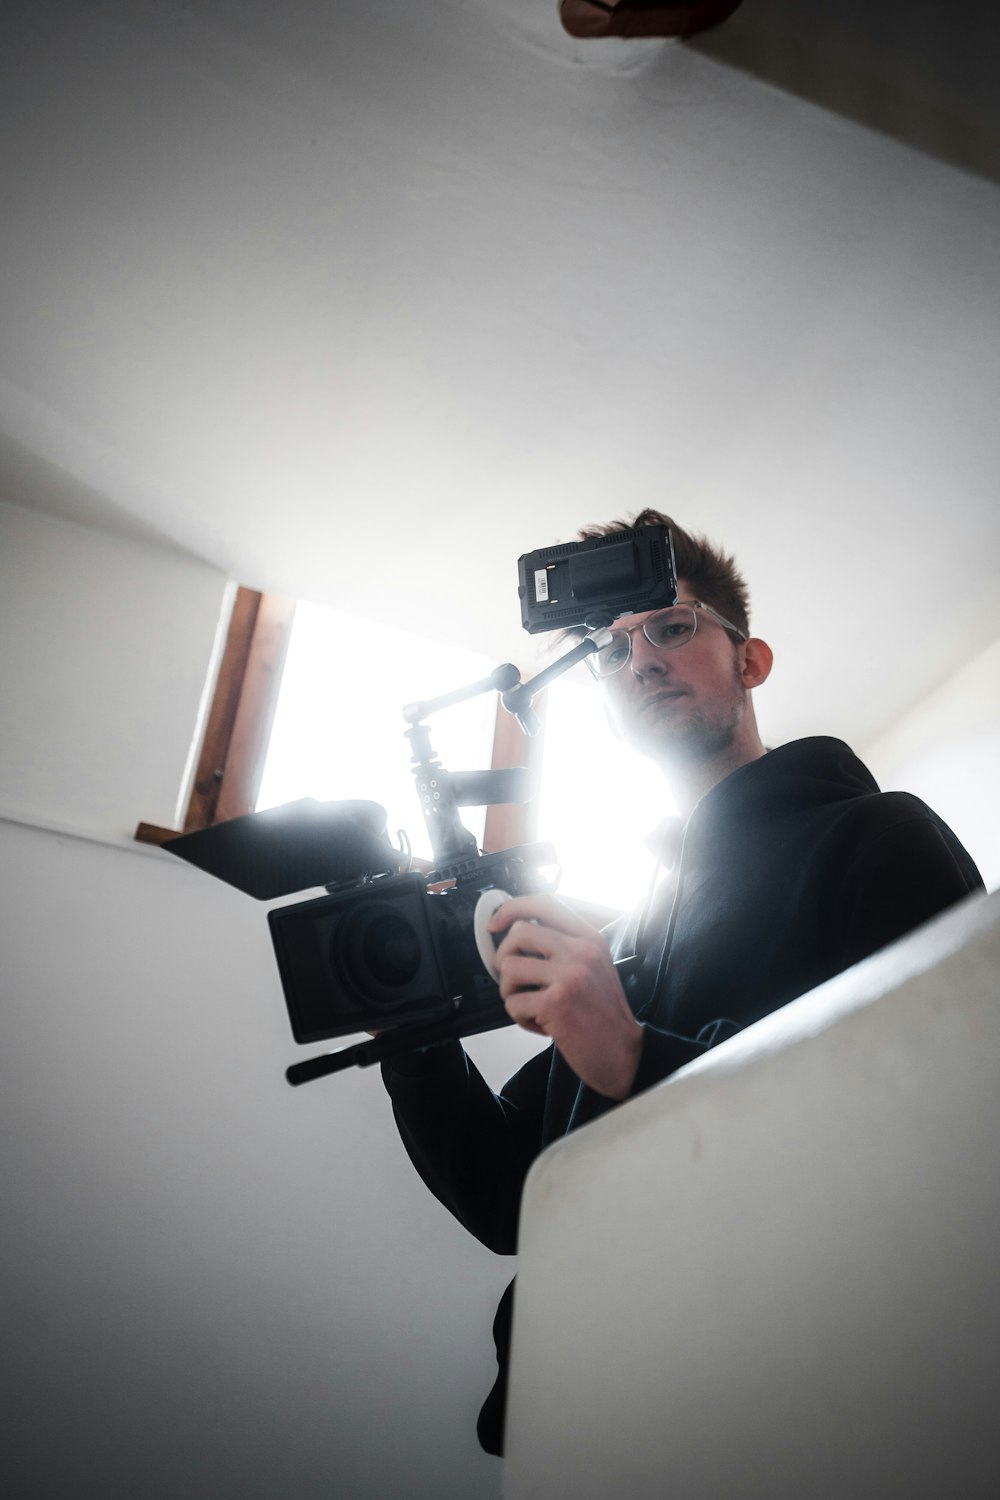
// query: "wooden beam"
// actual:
[[227, 777], [238, 779], [511, 823]]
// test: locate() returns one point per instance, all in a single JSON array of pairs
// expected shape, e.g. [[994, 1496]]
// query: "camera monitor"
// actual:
[[590, 583]]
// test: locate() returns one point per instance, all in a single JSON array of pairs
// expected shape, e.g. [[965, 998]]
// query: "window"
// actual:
[[339, 729], [308, 702]]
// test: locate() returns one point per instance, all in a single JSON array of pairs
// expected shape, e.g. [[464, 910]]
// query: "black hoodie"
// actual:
[[791, 870]]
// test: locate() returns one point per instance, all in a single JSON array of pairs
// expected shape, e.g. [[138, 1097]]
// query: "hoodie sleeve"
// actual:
[[906, 873], [472, 1147], [663, 1052]]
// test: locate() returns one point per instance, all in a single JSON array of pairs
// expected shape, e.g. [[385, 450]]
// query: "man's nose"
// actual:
[[646, 659]]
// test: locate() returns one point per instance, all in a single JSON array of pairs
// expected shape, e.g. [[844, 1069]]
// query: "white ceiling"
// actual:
[[358, 300]]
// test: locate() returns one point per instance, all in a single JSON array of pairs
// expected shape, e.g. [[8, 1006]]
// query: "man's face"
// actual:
[[688, 703]]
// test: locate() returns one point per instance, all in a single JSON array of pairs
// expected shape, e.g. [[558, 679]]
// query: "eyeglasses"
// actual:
[[668, 629]]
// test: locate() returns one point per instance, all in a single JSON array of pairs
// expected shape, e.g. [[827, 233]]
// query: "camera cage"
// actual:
[[344, 847]]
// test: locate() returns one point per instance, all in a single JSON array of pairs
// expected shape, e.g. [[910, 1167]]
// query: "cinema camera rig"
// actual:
[[405, 953]]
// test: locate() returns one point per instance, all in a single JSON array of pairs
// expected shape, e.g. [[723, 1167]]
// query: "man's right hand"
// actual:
[[557, 978]]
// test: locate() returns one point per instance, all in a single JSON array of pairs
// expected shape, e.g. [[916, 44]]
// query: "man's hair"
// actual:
[[712, 574]]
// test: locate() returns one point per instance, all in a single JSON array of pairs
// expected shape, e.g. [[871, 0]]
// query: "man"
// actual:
[[786, 867]]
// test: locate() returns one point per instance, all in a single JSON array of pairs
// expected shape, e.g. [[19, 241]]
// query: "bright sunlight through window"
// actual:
[[338, 727], [599, 800], [338, 735]]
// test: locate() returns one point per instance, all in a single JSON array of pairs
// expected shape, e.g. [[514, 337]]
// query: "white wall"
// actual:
[[947, 751], [218, 1287], [774, 1276], [105, 645]]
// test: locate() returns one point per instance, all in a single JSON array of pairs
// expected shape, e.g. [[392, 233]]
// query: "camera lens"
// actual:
[[377, 951], [391, 950]]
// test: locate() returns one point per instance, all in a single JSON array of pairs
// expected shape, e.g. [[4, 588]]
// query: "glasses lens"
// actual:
[[612, 657], [671, 627]]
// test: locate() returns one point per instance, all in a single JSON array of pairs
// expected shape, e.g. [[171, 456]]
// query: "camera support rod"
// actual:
[[517, 699], [400, 1039], [441, 793], [500, 678]]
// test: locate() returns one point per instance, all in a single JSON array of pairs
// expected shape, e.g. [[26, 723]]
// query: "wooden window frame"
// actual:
[[235, 740], [509, 824], [234, 744]]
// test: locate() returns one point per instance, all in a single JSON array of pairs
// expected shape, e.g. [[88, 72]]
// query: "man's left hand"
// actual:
[[557, 978]]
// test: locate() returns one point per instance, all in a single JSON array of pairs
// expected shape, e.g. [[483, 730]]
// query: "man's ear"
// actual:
[[758, 658]]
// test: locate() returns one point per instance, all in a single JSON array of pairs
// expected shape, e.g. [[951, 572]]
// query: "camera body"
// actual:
[[393, 950]]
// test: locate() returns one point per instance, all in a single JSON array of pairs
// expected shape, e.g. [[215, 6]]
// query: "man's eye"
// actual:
[[616, 654]]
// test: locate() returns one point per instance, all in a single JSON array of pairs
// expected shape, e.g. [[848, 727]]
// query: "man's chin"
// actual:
[[667, 738], [672, 714]]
